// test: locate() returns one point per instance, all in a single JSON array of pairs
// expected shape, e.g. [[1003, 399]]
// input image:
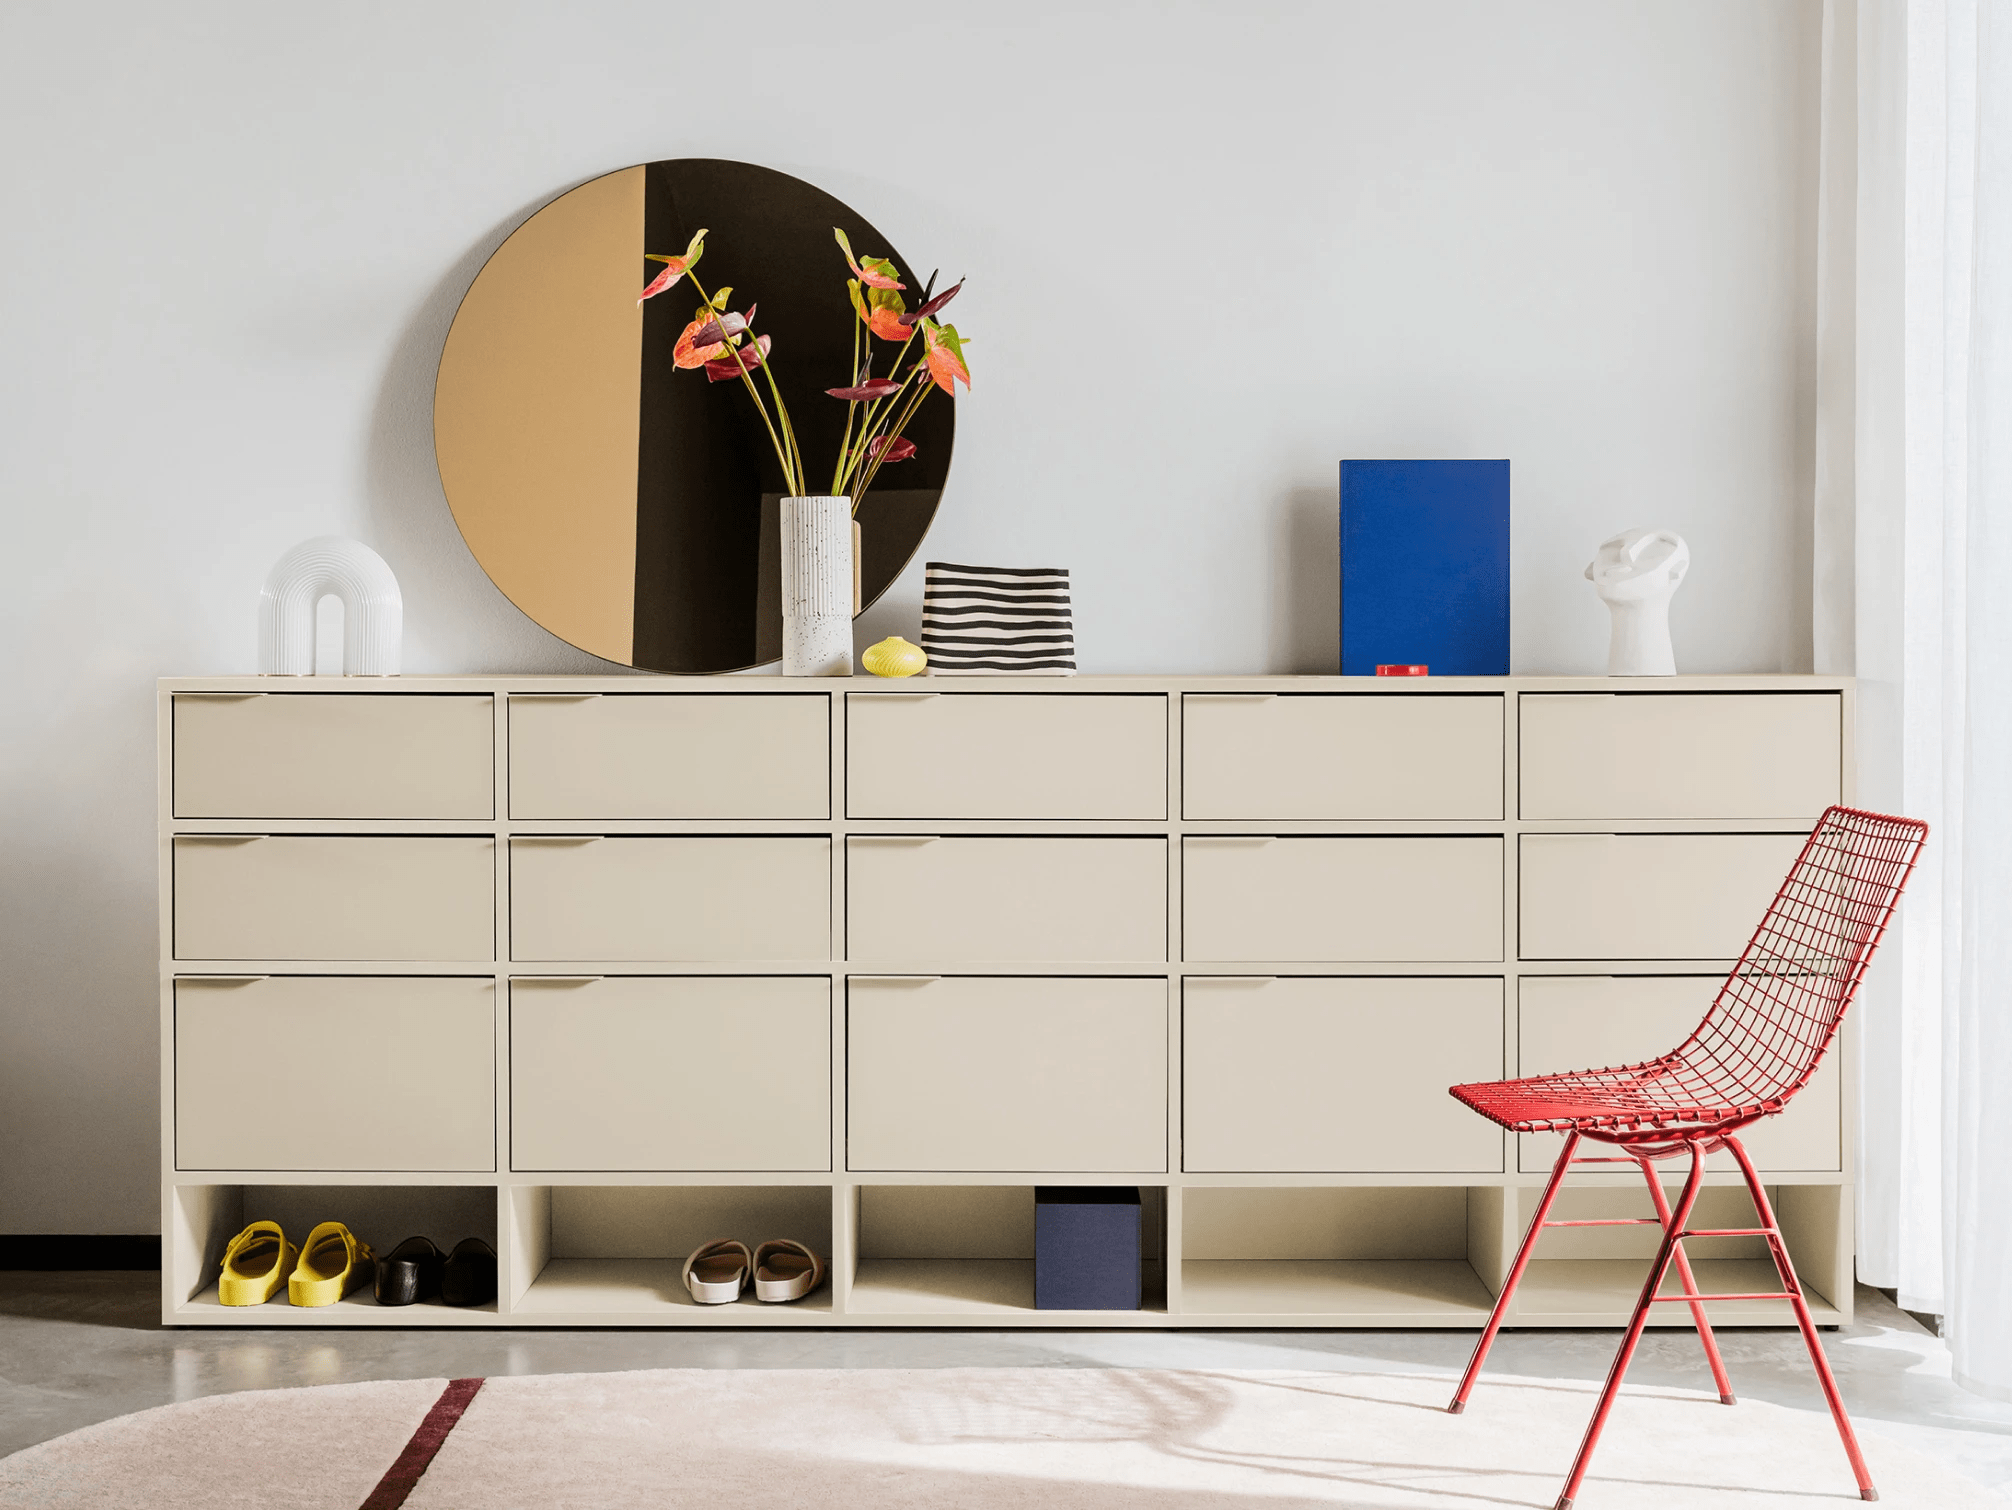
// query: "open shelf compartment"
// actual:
[[966, 1253], [204, 1218], [602, 1254]]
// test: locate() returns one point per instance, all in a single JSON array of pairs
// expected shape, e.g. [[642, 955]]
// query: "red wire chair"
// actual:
[[1759, 1044]]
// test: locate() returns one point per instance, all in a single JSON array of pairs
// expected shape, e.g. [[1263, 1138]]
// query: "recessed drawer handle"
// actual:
[[221, 697], [912, 839], [891, 980], [220, 838], [556, 838], [218, 980], [1230, 838], [555, 980], [554, 697], [899, 697], [1581, 838], [1232, 697], [1231, 980]]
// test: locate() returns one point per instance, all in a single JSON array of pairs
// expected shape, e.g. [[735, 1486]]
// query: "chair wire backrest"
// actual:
[[1778, 1011]]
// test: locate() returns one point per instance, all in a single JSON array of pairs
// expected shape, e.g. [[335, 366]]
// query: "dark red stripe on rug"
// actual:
[[400, 1478]]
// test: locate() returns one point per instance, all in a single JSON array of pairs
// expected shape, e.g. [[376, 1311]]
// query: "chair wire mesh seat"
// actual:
[[1759, 1043]]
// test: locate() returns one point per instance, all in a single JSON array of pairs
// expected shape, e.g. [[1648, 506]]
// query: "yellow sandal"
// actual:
[[333, 1261], [255, 1264]]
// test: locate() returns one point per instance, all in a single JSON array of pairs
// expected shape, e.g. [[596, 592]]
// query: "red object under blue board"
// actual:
[[1425, 566]]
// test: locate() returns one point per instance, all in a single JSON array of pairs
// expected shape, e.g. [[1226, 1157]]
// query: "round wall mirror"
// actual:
[[626, 505]]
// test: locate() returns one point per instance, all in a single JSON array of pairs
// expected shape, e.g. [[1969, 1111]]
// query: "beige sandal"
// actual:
[[786, 1270], [718, 1272]]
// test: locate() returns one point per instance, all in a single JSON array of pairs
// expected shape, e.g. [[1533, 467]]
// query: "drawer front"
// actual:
[[943, 900], [1005, 755], [671, 755], [1255, 899], [326, 897], [1681, 755], [334, 755], [1648, 896], [684, 1072], [336, 1073], [1570, 1022], [725, 898], [1341, 756], [1291, 1076], [996, 1074]]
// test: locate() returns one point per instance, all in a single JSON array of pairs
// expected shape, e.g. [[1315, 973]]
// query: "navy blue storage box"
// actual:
[[1086, 1248]]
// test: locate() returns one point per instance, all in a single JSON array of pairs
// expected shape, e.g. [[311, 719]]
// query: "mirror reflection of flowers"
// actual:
[[878, 407]]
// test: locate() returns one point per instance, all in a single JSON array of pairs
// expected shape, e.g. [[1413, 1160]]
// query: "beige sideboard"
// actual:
[[603, 968]]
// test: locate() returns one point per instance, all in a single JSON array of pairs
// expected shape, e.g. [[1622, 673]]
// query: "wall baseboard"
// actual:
[[85, 1251]]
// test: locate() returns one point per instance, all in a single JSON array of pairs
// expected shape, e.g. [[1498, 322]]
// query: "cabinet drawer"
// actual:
[[1291, 1076], [334, 755], [1057, 1075], [1252, 898], [684, 1072], [1570, 1022], [1005, 755], [328, 897], [991, 898], [336, 1073], [671, 755], [1680, 754], [711, 898], [1648, 896], [1341, 756]]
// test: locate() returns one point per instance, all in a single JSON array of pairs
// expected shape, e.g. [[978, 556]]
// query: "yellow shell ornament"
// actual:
[[894, 656]]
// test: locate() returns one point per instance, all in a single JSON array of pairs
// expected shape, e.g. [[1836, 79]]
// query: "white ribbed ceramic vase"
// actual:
[[816, 540]]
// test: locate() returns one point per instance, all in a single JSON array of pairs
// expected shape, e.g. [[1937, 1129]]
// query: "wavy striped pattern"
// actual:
[[997, 621]]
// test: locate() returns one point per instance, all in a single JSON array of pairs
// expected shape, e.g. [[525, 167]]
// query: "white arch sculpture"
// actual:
[[373, 613]]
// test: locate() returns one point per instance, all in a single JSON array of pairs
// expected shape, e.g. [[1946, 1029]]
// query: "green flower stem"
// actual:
[[754, 393]]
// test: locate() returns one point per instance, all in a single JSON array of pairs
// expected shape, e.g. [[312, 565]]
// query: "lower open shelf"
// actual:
[[651, 1288], [1596, 1292], [1337, 1292], [354, 1309]]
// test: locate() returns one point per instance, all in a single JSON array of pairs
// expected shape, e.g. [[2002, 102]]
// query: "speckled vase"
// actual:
[[816, 538]]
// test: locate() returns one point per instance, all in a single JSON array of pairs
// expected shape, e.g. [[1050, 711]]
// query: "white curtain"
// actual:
[[1913, 592]]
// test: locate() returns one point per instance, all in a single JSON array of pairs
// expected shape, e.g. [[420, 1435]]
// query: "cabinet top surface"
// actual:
[[504, 682]]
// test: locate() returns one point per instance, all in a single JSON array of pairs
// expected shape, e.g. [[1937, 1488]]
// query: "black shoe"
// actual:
[[470, 1276], [410, 1272]]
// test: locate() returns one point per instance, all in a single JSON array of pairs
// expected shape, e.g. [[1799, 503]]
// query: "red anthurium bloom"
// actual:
[[898, 449], [867, 392], [886, 324], [945, 357], [721, 327], [934, 304], [874, 272], [674, 267], [688, 353], [744, 359]]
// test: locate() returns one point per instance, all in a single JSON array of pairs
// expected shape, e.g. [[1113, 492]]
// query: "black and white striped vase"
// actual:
[[817, 589], [997, 621]]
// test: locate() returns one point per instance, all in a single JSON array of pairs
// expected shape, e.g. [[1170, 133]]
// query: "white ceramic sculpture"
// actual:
[[817, 589], [1636, 573], [373, 614]]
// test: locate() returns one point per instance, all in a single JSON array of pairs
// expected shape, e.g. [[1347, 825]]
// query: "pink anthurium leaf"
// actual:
[[742, 359], [867, 392], [934, 304], [674, 269], [688, 353], [898, 449], [874, 272]]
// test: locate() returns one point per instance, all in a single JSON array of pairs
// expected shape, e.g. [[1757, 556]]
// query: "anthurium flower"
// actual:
[[898, 449], [874, 272], [886, 324], [934, 304], [688, 353], [724, 327], [945, 356], [743, 359], [867, 392], [674, 267]]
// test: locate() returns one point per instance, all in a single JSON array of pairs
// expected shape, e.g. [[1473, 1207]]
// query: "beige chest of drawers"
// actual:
[[603, 968]]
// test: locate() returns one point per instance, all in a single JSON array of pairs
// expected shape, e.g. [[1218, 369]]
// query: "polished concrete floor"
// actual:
[[79, 1348]]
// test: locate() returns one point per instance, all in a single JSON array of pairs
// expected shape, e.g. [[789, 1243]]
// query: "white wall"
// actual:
[[1213, 249]]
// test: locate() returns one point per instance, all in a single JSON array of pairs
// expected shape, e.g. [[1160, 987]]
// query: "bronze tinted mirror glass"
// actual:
[[628, 506]]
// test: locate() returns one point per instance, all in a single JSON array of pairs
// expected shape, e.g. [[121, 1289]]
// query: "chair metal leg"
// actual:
[[1672, 1234], [1691, 1288], [1515, 1277], [1778, 1250]]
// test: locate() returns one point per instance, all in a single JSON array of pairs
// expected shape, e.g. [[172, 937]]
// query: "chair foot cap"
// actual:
[[1868, 1494], [1456, 1407], [1564, 1503], [1727, 1400]]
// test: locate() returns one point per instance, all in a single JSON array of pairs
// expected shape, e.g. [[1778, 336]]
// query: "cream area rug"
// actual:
[[976, 1439]]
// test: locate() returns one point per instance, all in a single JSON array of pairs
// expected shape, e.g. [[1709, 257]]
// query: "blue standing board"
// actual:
[[1425, 566]]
